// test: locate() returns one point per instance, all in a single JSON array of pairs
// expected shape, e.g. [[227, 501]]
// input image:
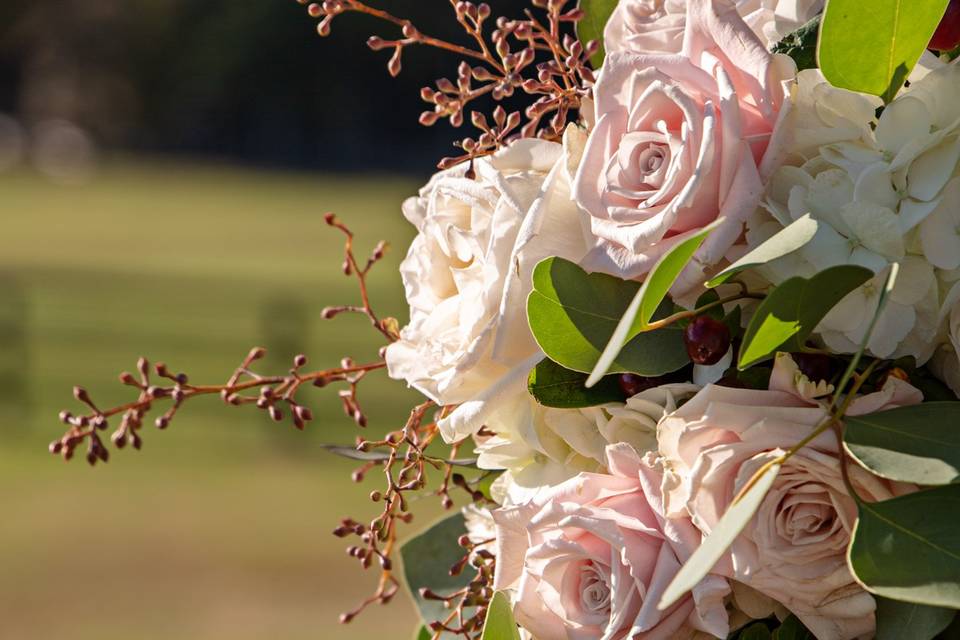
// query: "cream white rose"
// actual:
[[542, 446], [468, 272]]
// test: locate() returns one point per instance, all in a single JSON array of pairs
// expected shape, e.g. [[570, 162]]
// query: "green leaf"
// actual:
[[919, 444], [908, 548], [792, 629], [897, 620], [801, 45], [790, 313], [554, 386], [427, 559], [500, 624], [591, 27], [702, 561], [573, 314], [380, 456], [952, 632], [786, 241], [756, 631], [422, 634], [649, 298], [872, 46]]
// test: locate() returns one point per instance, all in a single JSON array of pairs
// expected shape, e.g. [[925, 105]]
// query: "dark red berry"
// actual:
[[631, 384], [947, 35], [816, 366], [707, 340]]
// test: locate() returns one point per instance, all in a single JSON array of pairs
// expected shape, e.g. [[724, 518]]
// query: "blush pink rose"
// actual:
[[680, 141], [591, 557], [646, 26], [794, 548]]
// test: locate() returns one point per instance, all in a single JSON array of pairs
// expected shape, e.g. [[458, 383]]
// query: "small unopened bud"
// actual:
[[394, 66], [56, 447], [162, 422], [300, 361], [376, 43], [275, 414]]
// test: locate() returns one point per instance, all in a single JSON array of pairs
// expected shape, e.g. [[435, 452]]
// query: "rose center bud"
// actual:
[[594, 590], [807, 516]]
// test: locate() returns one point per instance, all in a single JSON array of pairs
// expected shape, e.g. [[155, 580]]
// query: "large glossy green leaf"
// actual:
[[790, 313], [702, 561], [919, 444], [908, 548], [898, 620], [593, 23], [573, 314], [500, 624], [649, 298], [871, 46], [554, 386], [427, 559], [786, 241]]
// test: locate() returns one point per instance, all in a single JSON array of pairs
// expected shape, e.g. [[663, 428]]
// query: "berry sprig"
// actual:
[[537, 56]]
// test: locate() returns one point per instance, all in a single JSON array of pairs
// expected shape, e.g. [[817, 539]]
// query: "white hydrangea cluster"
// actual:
[[884, 186]]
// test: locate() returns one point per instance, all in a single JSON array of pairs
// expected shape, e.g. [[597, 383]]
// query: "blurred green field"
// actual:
[[220, 527]]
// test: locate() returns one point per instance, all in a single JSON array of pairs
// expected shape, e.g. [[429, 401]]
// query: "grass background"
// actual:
[[220, 526]]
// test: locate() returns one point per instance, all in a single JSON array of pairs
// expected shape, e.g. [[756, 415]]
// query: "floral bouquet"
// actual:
[[686, 315]]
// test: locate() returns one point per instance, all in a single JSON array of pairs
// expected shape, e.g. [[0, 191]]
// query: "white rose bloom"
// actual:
[[547, 445], [468, 272], [885, 190]]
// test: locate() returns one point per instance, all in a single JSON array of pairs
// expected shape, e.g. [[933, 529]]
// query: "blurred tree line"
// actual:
[[245, 80]]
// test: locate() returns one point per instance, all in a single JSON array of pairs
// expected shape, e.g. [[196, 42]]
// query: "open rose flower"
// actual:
[[656, 26], [591, 557], [680, 141], [468, 272], [794, 549]]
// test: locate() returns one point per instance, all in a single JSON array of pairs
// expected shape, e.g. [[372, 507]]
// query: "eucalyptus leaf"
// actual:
[[703, 559], [500, 624], [355, 454], [790, 313], [427, 559], [573, 314], [792, 629], [908, 548], [597, 14], [649, 298], [422, 634], [871, 46], [801, 45], [897, 620], [381, 456], [919, 443], [555, 386], [756, 631], [792, 237]]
